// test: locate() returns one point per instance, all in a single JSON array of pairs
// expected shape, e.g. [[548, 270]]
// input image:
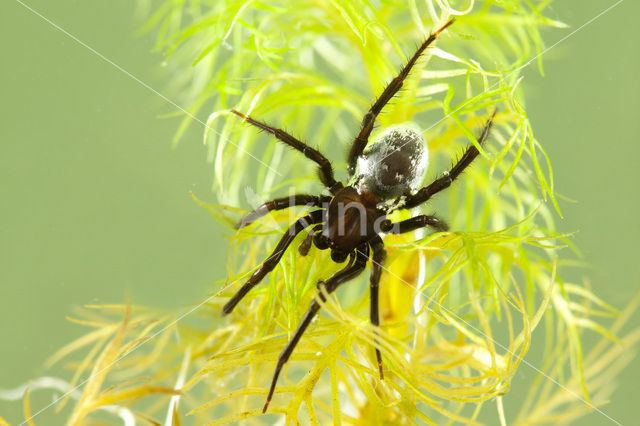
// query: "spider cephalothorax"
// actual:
[[349, 222]]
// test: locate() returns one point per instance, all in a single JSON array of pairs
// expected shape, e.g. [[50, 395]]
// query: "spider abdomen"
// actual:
[[394, 164]]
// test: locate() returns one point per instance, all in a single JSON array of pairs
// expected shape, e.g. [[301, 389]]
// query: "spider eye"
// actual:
[[338, 256], [395, 163], [386, 225], [321, 241]]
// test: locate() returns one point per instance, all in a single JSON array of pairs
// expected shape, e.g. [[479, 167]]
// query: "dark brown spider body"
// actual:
[[385, 177], [351, 219]]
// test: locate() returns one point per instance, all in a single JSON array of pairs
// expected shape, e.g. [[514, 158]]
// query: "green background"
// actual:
[[95, 201]]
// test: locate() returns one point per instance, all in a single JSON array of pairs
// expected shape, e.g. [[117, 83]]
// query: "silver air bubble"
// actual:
[[394, 164]]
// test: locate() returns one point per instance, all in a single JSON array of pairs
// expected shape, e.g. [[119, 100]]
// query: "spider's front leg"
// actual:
[[418, 222], [272, 261], [447, 179], [347, 273], [379, 254]]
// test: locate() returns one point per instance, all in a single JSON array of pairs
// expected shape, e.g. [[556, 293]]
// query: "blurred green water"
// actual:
[[95, 202]]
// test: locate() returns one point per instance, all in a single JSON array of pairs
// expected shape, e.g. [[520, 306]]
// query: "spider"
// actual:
[[384, 178]]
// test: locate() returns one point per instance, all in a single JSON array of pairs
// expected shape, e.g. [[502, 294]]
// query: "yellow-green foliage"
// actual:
[[458, 308]]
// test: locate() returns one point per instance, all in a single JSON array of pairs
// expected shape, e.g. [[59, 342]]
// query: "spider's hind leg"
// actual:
[[324, 165], [281, 204], [360, 142], [345, 274], [447, 179]]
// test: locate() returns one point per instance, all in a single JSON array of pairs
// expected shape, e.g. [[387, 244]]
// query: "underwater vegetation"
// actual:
[[459, 309]]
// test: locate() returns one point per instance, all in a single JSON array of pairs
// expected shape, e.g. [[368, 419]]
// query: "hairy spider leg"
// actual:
[[325, 171], [389, 92], [345, 274], [271, 262], [379, 254], [418, 222], [280, 204], [447, 179]]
